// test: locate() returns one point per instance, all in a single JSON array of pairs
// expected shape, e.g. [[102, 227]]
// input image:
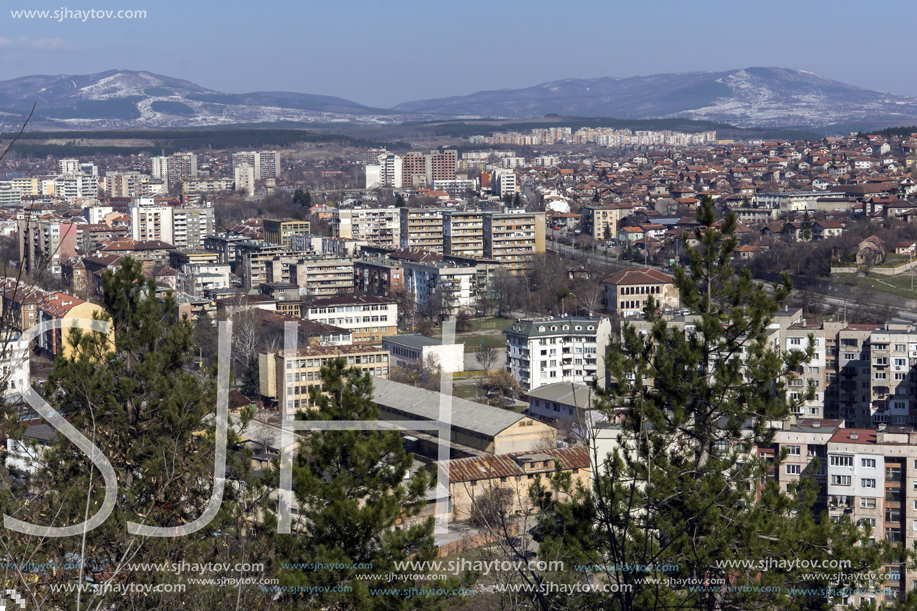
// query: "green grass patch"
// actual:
[[893, 285]]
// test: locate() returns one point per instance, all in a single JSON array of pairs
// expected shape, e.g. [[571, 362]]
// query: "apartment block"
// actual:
[[601, 222], [368, 318], [181, 166], [45, 242], [377, 226], [504, 183], [288, 378], [463, 233], [377, 276], [514, 239], [422, 228], [322, 276], [459, 284], [254, 257], [421, 169], [280, 231], [541, 351]]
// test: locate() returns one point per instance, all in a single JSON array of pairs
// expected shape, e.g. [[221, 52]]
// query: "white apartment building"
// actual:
[[456, 282], [541, 351], [504, 182], [266, 164], [377, 226], [368, 318], [160, 168], [69, 166], [76, 186], [244, 175]]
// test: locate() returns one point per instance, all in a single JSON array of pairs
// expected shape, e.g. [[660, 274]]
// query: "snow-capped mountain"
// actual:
[[124, 98], [751, 97]]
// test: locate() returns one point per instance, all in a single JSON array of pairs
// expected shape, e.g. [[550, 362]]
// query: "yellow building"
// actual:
[[475, 429], [290, 377], [279, 231], [472, 479], [514, 239], [57, 305]]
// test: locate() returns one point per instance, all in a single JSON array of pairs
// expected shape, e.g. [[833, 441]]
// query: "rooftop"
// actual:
[[412, 340]]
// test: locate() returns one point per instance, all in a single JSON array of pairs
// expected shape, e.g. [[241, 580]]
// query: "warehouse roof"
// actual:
[[425, 405]]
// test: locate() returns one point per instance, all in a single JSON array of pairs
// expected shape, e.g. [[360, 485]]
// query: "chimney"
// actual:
[[816, 424], [881, 427], [854, 435]]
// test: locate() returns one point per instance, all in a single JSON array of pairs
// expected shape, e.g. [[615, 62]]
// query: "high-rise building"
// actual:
[[463, 233], [44, 243], [160, 167], [421, 169], [504, 182], [249, 158], [266, 164], [378, 226], [69, 166], [245, 179], [391, 171], [127, 184], [422, 228], [182, 166], [514, 238], [269, 164]]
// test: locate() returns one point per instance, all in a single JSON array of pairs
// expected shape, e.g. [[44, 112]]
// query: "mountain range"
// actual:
[[750, 97]]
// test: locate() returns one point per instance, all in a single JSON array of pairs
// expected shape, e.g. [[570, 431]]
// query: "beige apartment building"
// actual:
[[322, 276], [422, 228], [514, 239], [463, 233], [287, 379]]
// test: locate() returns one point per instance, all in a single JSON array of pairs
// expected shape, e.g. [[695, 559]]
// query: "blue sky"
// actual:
[[381, 53]]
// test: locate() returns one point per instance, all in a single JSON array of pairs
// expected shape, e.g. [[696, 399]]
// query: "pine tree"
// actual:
[[805, 231], [684, 485], [303, 198], [251, 384], [595, 196], [399, 201], [136, 398], [352, 495]]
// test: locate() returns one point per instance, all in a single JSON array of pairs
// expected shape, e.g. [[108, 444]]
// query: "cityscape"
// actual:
[[633, 342]]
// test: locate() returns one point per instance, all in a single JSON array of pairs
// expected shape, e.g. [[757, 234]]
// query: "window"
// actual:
[[840, 480], [900, 348], [869, 463], [868, 483], [868, 503], [892, 514], [792, 450], [841, 461], [793, 469], [865, 521], [795, 341]]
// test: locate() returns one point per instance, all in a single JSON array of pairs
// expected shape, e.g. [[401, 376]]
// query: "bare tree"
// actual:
[[486, 357]]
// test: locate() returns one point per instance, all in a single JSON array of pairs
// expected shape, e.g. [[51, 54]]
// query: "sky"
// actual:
[[381, 53]]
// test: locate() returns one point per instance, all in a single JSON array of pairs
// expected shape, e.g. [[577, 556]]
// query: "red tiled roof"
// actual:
[[639, 275]]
